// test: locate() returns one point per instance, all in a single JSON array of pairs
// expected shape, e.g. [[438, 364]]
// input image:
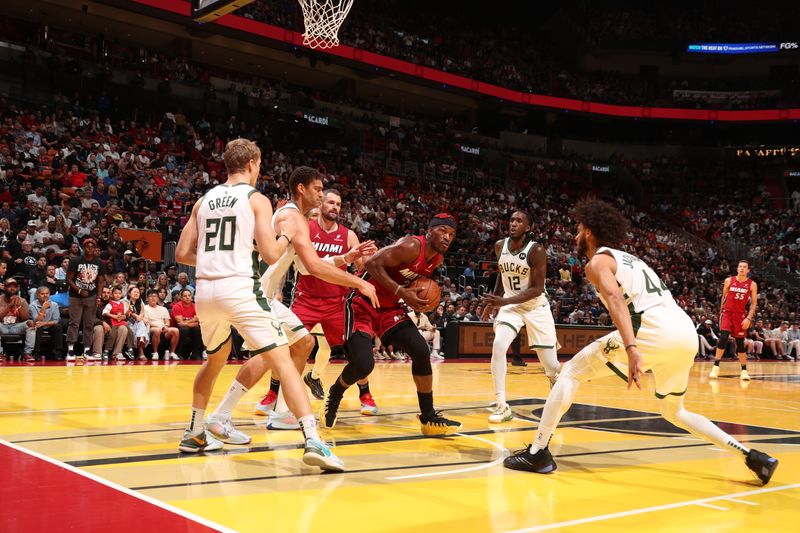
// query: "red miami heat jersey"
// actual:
[[738, 294], [327, 245], [406, 273]]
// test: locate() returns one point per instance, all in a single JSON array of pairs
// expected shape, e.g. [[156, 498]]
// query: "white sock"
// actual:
[[321, 359], [549, 359], [196, 422], [503, 337], [232, 397], [309, 426], [558, 402], [698, 425]]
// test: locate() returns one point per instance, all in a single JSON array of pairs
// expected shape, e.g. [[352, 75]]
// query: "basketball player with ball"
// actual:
[[394, 270], [520, 295]]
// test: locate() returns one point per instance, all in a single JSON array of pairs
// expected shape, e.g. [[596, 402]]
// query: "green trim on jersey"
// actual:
[[501, 323], [662, 396], [257, 291], [525, 248], [251, 193], [263, 349], [617, 371], [215, 350], [298, 328], [547, 346]]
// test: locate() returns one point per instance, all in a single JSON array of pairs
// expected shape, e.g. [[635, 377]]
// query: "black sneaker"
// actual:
[[438, 426], [129, 354], [327, 415], [761, 464], [540, 462], [315, 385], [518, 361], [106, 355]]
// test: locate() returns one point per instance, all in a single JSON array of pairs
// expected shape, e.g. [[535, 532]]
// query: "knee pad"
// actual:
[[359, 354], [723, 339], [407, 338], [740, 346]]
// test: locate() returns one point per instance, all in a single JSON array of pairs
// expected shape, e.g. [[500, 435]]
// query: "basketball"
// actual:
[[431, 293]]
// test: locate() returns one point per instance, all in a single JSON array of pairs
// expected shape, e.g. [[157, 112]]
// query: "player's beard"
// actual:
[[333, 216]]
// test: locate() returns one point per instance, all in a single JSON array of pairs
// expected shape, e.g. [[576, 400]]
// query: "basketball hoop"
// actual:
[[323, 18]]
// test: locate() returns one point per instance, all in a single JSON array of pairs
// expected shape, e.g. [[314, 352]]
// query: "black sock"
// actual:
[[716, 363], [274, 385], [744, 367], [337, 389], [425, 404], [363, 389]]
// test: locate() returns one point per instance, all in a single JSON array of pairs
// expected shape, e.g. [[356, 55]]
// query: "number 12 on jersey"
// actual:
[[220, 233]]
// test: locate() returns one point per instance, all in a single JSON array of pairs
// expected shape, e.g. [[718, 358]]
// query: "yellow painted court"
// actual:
[[620, 466]]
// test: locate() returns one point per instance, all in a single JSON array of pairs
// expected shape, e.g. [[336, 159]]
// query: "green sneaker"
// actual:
[[199, 443]]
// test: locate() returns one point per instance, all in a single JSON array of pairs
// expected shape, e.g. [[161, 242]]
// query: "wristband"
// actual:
[[285, 237], [398, 289], [330, 259], [630, 346]]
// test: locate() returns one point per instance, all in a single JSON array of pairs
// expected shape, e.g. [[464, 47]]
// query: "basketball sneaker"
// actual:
[[318, 454], [70, 356], [552, 380], [327, 415], [368, 406], [199, 443], [315, 386], [437, 425], [285, 420], [714, 374], [501, 414], [744, 376], [540, 462], [761, 464], [222, 429], [266, 404], [518, 361]]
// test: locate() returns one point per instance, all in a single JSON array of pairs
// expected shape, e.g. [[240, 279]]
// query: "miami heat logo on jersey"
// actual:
[[327, 244], [737, 295]]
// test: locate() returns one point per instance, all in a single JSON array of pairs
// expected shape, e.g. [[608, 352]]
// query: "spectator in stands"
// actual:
[[754, 343], [468, 294], [46, 318], [15, 318], [157, 318], [61, 271], [428, 332], [116, 313], [37, 276], [140, 333], [782, 333], [773, 340], [469, 272], [793, 341], [191, 341], [183, 283], [83, 276], [707, 337], [101, 326]]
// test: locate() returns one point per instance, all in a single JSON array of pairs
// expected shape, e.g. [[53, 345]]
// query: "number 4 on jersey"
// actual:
[[651, 287]]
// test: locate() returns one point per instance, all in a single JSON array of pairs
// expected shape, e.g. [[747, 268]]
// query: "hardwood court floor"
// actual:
[[620, 465]]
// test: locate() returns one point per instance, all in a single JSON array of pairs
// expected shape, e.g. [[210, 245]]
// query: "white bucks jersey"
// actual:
[[225, 230], [275, 276], [515, 270], [641, 287]]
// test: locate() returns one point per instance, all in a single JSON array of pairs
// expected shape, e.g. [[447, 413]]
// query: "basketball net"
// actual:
[[323, 18]]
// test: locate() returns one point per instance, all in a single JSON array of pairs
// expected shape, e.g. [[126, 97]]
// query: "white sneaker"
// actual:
[[714, 372], [318, 454], [174, 356], [119, 357], [70, 358], [223, 430], [436, 355], [285, 420], [155, 357], [94, 357], [744, 376], [501, 414]]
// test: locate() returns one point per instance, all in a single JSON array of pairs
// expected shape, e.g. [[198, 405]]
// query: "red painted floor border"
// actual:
[[42, 494]]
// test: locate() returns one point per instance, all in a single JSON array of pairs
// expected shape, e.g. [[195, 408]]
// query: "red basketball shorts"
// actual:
[[327, 312], [361, 316], [732, 322]]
